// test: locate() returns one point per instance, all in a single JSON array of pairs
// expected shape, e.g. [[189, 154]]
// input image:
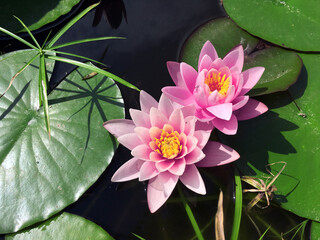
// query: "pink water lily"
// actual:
[[167, 144], [218, 89]]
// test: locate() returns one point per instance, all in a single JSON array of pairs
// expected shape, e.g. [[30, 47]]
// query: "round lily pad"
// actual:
[[40, 175], [64, 226], [282, 67], [291, 24]]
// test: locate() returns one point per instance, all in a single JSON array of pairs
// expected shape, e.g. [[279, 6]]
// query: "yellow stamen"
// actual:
[[215, 82], [168, 144]]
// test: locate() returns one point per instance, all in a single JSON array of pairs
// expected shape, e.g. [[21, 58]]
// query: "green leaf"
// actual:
[[291, 24], [40, 176], [64, 226], [69, 25], [34, 13], [315, 230], [282, 67], [238, 206], [289, 132], [95, 69]]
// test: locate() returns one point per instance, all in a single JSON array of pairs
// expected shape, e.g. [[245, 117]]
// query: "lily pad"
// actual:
[[34, 13], [315, 230], [63, 226], [282, 67], [39, 175], [289, 133], [291, 24]]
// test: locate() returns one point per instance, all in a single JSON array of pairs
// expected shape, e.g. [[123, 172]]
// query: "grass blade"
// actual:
[[190, 215], [43, 87], [264, 233], [18, 38], [31, 35], [94, 69], [17, 74], [45, 41], [137, 236], [69, 25], [74, 55], [238, 206], [83, 41]]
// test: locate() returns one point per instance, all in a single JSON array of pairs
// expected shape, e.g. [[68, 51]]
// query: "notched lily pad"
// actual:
[[40, 176], [282, 67], [64, 226], [291, 24]]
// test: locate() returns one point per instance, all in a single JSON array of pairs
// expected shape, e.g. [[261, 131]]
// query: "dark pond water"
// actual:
[[154, 31]]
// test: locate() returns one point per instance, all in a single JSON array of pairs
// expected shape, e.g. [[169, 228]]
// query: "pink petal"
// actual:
[[222, 111], [119, 127], [217, 64], [155, 132], [192, 179], [200, 97], [148, 170], [128, 171], [250, 78], [204, 63], [176, 120], [140, 119], [130, 140], [235, 58], [174, 71], [240, 85], [189, 76], [239, 102], [251, 110], [208, 49], [217, 154], [165, 105], [157, 118], [205, 126], [212, 99], [191, 143], [203, 138], [180, 95], [178, 167], [190, 123], [230, 94], [188, 110], [227, 127], [203, 115], [159, 190], [164, 165], [195, 156], [143, 134], [142, 152], [147, 102], [156, 157]]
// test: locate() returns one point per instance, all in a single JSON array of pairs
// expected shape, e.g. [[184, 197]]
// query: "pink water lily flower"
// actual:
[[218, 89], [167, 144]]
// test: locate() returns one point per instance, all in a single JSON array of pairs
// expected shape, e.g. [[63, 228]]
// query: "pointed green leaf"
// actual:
[[62, 227], [29, 32], [41, 176]]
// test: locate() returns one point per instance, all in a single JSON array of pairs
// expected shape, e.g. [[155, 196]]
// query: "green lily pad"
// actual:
[[64, 226], [282, 67], [289, 133], [291, 24], [315, 230], [34, 13], [40, 176]]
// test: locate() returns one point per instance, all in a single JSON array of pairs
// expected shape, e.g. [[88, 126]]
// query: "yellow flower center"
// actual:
[[216, 82], [168, 144]]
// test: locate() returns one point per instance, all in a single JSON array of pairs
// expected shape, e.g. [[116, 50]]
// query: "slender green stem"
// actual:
[[18, 38], [190, 215], [43, 87], [95, 69], [265, 232], [238, 206], [69, 25], [83, 41], [31, 35]]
